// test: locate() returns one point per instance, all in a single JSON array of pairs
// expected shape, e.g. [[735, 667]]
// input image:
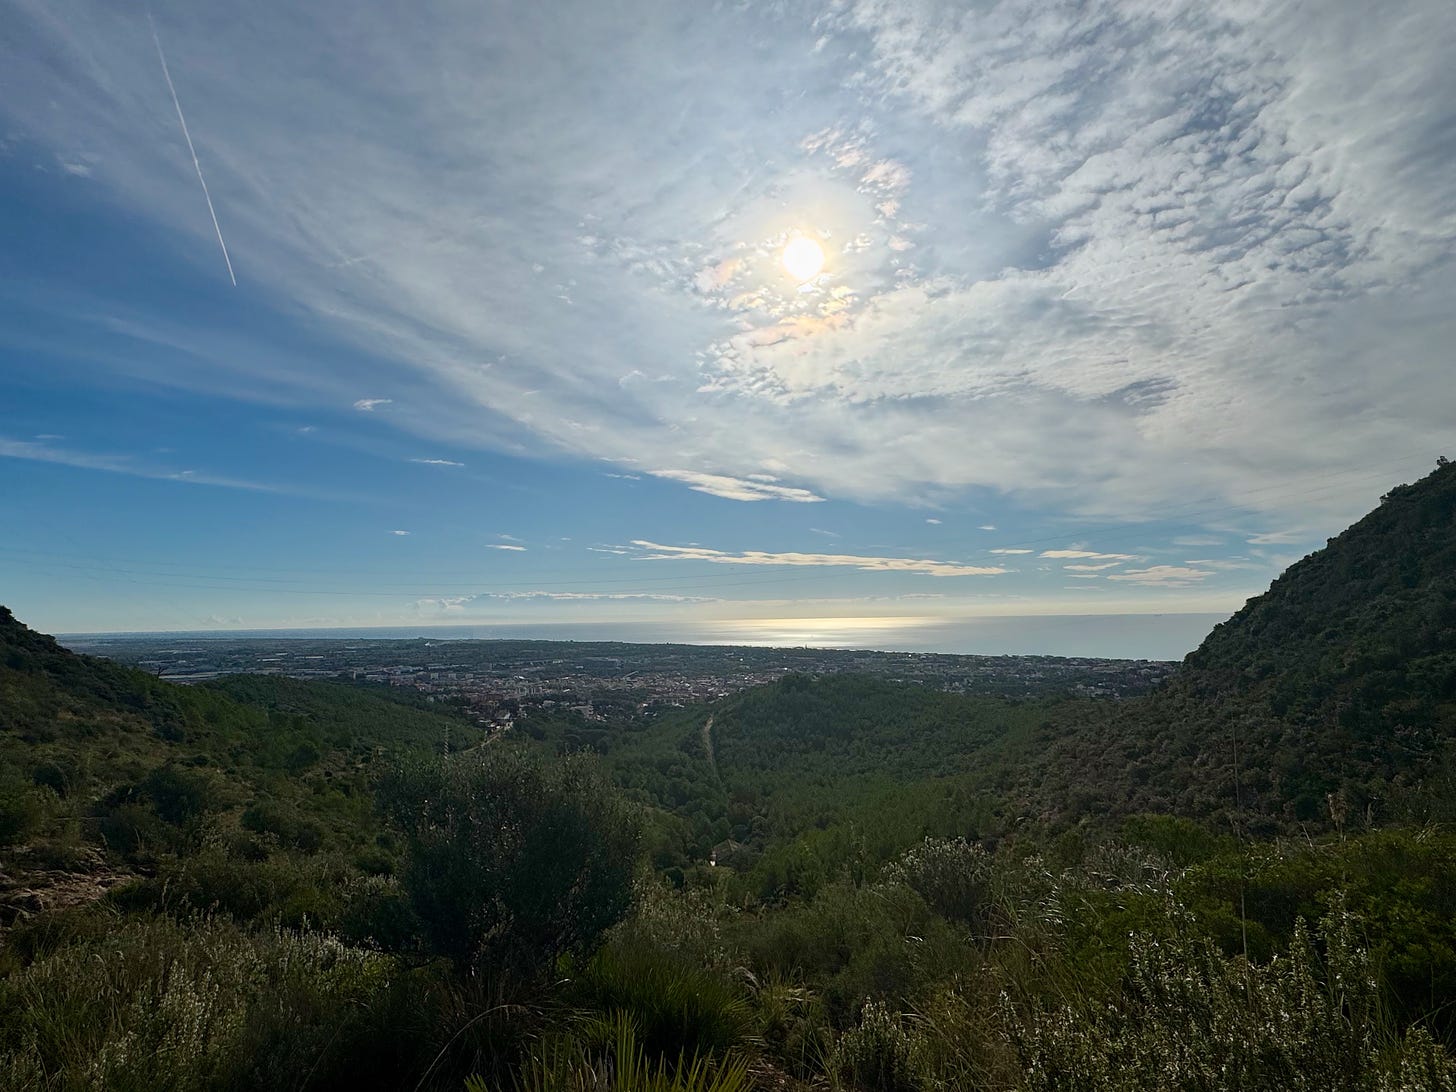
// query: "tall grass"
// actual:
[[676, 1007], [621, 1065]]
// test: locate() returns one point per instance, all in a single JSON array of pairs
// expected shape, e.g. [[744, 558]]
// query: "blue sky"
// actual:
[[1123, 307]]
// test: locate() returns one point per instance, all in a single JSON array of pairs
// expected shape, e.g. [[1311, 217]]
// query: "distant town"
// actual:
[[494, 682]]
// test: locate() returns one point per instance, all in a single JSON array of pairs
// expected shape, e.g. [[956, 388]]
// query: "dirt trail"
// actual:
[[708, 745]]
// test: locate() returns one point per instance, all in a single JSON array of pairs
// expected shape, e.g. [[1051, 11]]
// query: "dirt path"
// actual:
[[708, 746]]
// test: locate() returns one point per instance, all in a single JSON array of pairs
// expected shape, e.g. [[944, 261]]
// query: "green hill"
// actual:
[[1358, 638], [95, 756], [1330, 698]]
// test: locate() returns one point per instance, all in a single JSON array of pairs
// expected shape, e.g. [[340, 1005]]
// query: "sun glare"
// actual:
[[803, 258]]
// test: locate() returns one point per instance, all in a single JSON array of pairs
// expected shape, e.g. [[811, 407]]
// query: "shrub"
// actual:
[[21, 813], [167, 1007], [1191, 1018], [284, 823], [952, 876], [882, 1054], [177, 794], [279, 890], [676, 1006], [510, 862]]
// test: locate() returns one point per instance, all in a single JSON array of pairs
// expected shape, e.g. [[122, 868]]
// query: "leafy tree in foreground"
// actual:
[[511, 862]]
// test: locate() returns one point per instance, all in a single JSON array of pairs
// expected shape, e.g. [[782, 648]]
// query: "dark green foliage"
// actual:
[[511, 862], [22, 810], [177, 794], [677, 1006], [1339, 681], [284, 823], [953, 877]]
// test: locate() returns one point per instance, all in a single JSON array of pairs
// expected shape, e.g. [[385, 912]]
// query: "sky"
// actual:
[[478, 313]]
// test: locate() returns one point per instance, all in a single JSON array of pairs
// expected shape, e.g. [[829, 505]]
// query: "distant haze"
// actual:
[[1111, 636]]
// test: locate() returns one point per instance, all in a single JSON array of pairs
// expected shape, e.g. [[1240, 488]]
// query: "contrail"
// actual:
[[166, 72]]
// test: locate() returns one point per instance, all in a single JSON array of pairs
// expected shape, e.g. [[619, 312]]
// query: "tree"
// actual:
[[511, 862]]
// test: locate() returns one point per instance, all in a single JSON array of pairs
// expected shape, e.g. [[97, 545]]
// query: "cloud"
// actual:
[[505, 546], [1092, 568], [652, 551], [368, 405], [936, 522], [753, 488], [1011, 550], [1277, 538], [986, 527], [1203, 245], [33, 451], [462, 602], [436, 462], [1163, 576], [826, 534], [399, 532], [1088, 554]]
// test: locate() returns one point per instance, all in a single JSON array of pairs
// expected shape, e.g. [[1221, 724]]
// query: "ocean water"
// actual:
[[1114, 636]]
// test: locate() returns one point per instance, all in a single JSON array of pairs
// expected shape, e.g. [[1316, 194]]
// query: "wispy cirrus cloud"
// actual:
[[1152, 231], [1090, 555], [45, 452], [465, 602], [752, 488], [436, 462], [1163, 576], [652, 551]]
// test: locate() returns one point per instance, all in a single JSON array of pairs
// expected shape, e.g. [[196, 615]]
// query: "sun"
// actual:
[[803, 258]]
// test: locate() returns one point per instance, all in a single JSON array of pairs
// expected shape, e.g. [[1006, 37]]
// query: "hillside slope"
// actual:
[[95, 756], [1329, 697]]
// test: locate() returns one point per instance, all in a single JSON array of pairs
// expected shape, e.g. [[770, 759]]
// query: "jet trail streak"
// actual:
[[166, 72]]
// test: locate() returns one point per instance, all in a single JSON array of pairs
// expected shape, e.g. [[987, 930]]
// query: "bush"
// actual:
[[279, 890], [166, 1007], [1191, 1018], [21, 813], [510, 862], [882, 1054], [284, 823], [676, 1007], [952, 876], [877, 942], [176, 794]]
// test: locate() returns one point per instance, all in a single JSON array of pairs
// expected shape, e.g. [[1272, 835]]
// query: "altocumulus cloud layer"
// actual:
[[1113, 252]]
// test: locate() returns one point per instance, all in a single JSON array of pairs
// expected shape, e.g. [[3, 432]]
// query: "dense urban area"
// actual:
[[495, 681]]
